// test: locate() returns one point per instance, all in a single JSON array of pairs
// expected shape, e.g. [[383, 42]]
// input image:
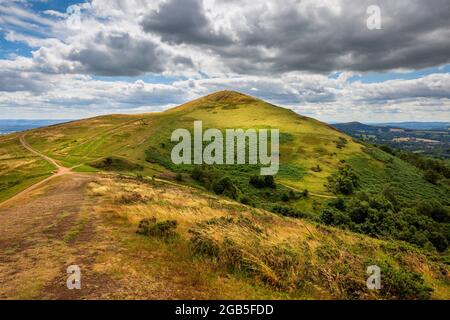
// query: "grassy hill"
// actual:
[[325, 177], [145, 139], [19, 167], [305, 141], [196, 246]]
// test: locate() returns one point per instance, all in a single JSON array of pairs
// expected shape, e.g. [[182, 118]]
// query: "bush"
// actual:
[[438, 241], [226, 187], [403, 284], [305, 193], [116, 164], [338, 203], [288, 211], [198, 174], [131, 198], [162, 229], [344, 181], [262, 182], [334, 217], [358, 210], [341, 143], [431, 176], [204, 246], [387, 149], [434, 210], [246, 200], [376, 216], [424, 163], [269, 182]]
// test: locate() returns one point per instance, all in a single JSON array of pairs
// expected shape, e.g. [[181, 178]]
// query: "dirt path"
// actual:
[[57, 223], [46, 158], [59, 172], [62, 223], [35, 235], [312, 193], [107, 132]]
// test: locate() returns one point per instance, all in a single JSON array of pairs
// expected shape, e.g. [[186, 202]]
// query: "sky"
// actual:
[[334, 60]]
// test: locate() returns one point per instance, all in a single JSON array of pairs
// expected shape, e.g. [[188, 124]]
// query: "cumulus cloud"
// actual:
[[283, 51], [319, 36], [120, 54], [184, 22], [330, 99]]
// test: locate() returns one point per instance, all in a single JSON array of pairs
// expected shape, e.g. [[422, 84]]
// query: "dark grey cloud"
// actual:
[[296, 36], [184, 22], [119, 54], [16, 81]]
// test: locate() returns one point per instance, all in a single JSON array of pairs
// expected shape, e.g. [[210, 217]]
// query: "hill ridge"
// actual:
[[223, 97]]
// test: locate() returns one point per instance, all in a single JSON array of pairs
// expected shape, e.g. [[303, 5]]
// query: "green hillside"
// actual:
[[305, 142], [317, 164], [284, 226]]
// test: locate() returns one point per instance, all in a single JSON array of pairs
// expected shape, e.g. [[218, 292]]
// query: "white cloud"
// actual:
[[279, 51]]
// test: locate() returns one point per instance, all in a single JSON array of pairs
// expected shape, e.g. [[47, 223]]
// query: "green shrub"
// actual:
[[434, 210], [269, 182], [262, 182], [288, 211], [376, 216], [341, 142], [198, 174], [305, 193], [403, 284], [344, 181], [246, 200], [431, 176], [438, 241], [334, 217], [225, 186], [116, 164], [158, 229], [203, 245], [131, 198]]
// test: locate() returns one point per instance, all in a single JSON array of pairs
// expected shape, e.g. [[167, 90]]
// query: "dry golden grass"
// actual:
[[270, 251], [260, 255]]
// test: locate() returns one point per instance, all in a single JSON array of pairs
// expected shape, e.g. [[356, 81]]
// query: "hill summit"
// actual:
[[224, 97], [229, 96]]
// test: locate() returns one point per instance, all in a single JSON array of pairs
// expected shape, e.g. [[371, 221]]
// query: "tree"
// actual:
[[438, 241], [226, 187], [344, 181], [334, 217], [263, 182], [431, 176], [269, 182]]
